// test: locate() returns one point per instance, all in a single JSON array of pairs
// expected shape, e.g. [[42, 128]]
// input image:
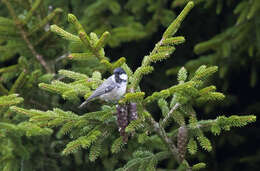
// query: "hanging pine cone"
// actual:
[[122, 120], [182, 141], [132, 112]]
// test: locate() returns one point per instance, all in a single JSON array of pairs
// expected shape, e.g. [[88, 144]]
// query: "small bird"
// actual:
[[112, 89]]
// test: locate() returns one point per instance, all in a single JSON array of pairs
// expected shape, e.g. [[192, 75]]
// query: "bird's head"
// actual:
[[120, 75]]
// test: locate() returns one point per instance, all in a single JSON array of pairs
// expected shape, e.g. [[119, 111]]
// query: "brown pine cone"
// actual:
[[182, 141], [122, 120], [132, 112]]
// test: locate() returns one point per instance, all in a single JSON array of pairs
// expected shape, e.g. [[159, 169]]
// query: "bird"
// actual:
[[112, 89]]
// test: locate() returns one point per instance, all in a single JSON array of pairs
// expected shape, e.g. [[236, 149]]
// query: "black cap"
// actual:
[[119, 71]]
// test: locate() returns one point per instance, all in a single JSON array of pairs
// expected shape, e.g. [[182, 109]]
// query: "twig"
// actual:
[[159, 130], [169, 114], [162, 134], [37, 55], [25, 37]]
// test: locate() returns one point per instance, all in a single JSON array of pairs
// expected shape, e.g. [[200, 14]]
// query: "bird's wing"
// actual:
[[107, 86]]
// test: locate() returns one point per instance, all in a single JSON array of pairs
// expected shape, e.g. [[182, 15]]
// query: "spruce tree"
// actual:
[[43, 122]]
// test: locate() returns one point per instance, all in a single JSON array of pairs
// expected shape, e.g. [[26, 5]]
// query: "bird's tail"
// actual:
[[84, 103]]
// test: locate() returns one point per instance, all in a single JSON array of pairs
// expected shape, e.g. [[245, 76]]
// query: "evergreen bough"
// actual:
[[229, 43]]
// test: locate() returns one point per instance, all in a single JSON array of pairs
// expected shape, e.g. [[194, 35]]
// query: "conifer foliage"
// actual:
[[176, 135], [230, 43]]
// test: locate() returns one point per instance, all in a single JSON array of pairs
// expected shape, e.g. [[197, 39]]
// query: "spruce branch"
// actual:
[[133, 97], [187, 86], [159, 130], [64, 34], [134, 125], [95, 151], [158, 53], [172, 29], [203, 140], [102, 41], [221, 122], [182, 75], [46, 20], [117, 145], [192, 146], [11, 68], [118, 63], [24, 36], [38, 56], [198, 166], [73, 75], [145, 160], [168, 141], [86, 39], [169, 114], [3, 90], [81, 56], [163, 104], [174, 40], [35, 6], [18, 83], [9, 100], [12, 12], [83, 141], [94, 46]]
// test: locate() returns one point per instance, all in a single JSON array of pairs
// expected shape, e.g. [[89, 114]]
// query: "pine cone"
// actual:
[[182, 141], [122, 120], [132, 110]]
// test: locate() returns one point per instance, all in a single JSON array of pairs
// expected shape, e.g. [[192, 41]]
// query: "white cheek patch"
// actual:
[[123, 76]]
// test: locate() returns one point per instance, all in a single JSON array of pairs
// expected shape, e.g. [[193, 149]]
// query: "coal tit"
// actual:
[[112, 89]]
